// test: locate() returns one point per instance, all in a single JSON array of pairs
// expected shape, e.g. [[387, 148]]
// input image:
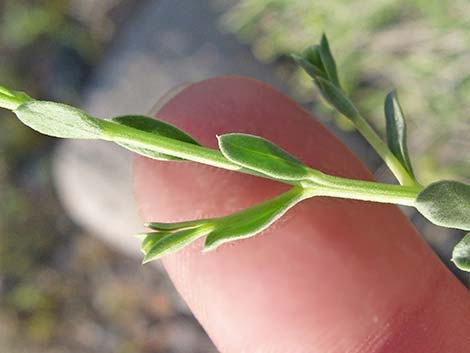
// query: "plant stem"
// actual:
[[384, 152], [333, 186], [121, 133], [320, 184], [10, 102], [187, 151]]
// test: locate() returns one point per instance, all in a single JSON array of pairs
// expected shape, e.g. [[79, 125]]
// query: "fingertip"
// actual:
[[331, 275]]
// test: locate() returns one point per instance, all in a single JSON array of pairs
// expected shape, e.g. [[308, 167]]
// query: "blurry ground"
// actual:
[[61, 288]]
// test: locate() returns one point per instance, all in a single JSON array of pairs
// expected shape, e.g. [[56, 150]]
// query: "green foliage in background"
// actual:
[[421, 47]]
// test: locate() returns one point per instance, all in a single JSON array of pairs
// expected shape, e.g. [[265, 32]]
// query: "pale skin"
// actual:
[[332, 276]]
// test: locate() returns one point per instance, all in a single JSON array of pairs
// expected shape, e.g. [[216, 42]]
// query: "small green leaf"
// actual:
[[151, 239], [176, 225], [328, 61], [154, 126], [311, 69], [262, 156], [446, 203], [335, 96], [173, 242], [313, 57], [461, 253], [58, 120], [396, 131], [249, 222]]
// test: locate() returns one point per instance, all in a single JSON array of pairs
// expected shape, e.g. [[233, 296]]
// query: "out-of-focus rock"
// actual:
[[164, 45]]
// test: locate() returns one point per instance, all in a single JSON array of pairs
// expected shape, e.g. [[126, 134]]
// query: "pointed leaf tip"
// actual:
[[396, 131], [328, 61]]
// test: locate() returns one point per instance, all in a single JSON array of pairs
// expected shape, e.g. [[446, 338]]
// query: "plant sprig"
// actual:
[[445, 203]]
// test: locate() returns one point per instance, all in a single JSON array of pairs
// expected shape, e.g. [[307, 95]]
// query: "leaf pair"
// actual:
[[248, 151], [172, 237], [319, 63]]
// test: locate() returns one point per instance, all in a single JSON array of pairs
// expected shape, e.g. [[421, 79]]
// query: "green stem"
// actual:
[[384, 152], [194, 153], [320, 184], [10, 102], [121, 133], [333, 186]]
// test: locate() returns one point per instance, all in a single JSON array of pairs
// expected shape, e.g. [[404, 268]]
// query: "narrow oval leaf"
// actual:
[[173, 242], [309, 68], [175, 225], [461, 253], [262, 156], [396, 131], [328, 61], [154, 126], [446, 203], [150, 240], [313, 57], [337, 98], [249, 222], [58, 120]]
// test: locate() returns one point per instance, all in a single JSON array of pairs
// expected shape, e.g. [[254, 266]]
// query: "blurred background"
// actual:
[[70, 273]]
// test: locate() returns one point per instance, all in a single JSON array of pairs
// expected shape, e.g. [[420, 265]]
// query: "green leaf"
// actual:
[[262, 156], [154, 126], [176, 225], [461, 253], [150, 239], [396, 131], [313, 57], [58, 120], [311, 69], [173, 242], [446, 203], [337, 98], [328, 61], [249, 222]]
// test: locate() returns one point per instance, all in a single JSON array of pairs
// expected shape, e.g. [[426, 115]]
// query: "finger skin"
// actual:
[[332, 275]]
